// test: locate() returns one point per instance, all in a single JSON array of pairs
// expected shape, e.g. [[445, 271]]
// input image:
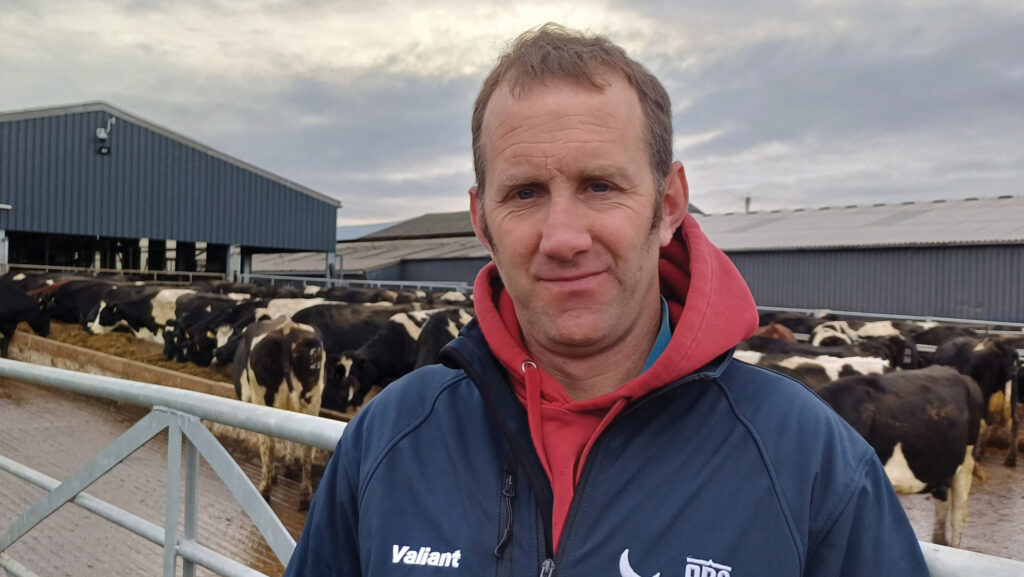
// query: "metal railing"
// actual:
[[167, 276], [320, 281], [179, 412], [886, 316]]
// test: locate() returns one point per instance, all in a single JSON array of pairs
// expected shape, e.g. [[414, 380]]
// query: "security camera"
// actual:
[[104, 133]]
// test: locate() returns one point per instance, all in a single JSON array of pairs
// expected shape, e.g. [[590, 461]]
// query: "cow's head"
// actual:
[[200, 346], [172, 336], [362, 375], [39, 319], [109, 315]]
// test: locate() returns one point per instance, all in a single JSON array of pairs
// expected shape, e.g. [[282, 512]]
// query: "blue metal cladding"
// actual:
[[148, 186], [973, 282]]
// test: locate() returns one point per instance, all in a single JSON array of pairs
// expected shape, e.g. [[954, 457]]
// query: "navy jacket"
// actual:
[[733, 471]]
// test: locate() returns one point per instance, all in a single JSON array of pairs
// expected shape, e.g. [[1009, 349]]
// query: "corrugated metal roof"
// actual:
[[357, 231], [117, 112], [942, 222], [373, 255], [427, 226]]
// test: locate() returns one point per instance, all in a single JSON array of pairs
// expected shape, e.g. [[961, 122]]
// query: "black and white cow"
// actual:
[[344, 327], [815, 370], [880, 350], [280, 364], [191, 310], [939, 334], [145, 312], [991, 362], [390, 354], [215, 336], [79, 301], [799, 323], [439, 329], [831, 333], [923, 425], [15, 307]]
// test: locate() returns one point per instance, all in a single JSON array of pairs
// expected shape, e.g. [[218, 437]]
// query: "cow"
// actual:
[[860, 349], [280, 364], [439, 329], [831, 333], [937, 335], [344, 327], [79, 301], [797, 322], [776, 331], [923, 425], [390, 354], [189, 311], [15, 307], [285, 307], [815, 371], [145, 312], [227, 337], [215, 336], [991, 362], [348, 294]]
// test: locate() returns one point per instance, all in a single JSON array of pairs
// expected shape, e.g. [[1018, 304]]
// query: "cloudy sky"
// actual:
[[808, 103]]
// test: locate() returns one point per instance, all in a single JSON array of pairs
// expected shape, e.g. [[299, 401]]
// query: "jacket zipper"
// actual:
[[508, 491], [549, 565]]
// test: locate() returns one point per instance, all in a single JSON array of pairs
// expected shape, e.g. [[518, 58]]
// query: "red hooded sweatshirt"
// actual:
[[710, 310]]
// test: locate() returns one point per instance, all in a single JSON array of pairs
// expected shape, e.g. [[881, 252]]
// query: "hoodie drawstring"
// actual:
[[532, 380]]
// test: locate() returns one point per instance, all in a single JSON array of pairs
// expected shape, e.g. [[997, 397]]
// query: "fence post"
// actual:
[[172, 501]]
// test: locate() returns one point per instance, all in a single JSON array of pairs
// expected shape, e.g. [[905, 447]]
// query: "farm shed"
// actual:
[[946, 258], [93, 185]]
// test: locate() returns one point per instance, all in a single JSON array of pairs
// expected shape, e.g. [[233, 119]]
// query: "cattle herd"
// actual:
[[925, 396], [291, 348]]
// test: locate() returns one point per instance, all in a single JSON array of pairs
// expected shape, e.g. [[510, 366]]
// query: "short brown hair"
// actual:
[[554, 53]]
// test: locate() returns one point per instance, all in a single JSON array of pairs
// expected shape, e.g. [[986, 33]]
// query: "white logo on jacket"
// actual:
[[406, 555], [694, 568]]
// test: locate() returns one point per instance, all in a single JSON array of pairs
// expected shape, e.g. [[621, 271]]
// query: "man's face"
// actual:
[[569, 213]]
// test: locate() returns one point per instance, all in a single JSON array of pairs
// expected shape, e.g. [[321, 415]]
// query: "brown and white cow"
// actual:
[[280, 363]]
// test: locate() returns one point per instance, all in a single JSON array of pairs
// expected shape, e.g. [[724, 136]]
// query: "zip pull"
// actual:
[[547, 569], [508, 490]]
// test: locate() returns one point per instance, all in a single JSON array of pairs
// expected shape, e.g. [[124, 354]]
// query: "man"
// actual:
[[591, 421]]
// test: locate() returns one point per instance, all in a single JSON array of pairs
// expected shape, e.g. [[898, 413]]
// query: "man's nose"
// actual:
[[566, 231]]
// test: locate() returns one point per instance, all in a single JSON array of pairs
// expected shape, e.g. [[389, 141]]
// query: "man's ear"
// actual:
[[675, 204], [476, 214]]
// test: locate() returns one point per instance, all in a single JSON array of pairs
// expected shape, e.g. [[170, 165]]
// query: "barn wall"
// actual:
[[977, 282], [446, 270], [148, 186], [452, 270]]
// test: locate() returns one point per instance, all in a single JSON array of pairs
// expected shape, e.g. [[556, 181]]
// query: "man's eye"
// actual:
[[526, 194], [599, 187]]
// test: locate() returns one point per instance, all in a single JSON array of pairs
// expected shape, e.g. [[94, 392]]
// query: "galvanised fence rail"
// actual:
[[179, 412]]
